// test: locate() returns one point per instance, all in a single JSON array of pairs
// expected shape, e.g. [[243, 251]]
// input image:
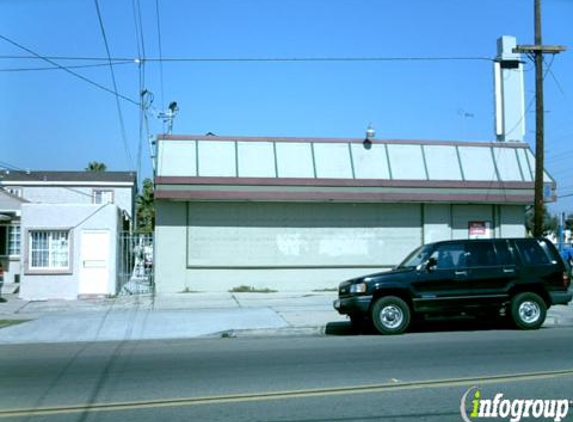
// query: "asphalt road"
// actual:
[[417, 376]]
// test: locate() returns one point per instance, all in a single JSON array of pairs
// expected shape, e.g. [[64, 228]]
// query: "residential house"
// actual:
[[60, 231]]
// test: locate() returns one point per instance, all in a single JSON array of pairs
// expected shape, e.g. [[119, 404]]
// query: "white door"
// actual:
[[94, 265]]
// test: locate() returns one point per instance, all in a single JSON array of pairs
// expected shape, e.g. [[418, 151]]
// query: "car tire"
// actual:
[[391, 315], [528, 311]]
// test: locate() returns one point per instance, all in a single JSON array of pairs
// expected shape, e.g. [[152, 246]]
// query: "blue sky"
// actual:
[[52, 120]]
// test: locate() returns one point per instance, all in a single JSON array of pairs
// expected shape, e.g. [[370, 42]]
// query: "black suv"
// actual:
[[520, 278]]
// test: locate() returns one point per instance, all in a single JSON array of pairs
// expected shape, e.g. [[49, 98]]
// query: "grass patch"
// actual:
[[250, 289], [188, 290], [8, 322], [326, 289]]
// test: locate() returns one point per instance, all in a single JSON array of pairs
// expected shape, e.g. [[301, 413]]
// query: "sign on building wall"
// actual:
[[479, 230]]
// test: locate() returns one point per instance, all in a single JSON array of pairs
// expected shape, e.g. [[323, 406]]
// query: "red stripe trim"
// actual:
[[246, 181], [343, 196]]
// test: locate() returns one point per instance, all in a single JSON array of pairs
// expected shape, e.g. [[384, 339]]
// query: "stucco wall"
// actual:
[[11, 267], [122, 196], [77, 218], [302, 246]]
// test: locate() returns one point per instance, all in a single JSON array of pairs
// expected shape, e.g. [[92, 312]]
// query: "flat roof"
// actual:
[[290, 168], [67, 176]]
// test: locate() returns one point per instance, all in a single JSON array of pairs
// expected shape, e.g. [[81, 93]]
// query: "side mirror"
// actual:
[[431, 264]]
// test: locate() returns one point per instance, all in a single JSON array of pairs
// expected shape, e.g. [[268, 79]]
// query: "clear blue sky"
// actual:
[[53, 121]]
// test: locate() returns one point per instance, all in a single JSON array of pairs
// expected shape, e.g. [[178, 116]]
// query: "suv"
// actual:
[[520, 278]]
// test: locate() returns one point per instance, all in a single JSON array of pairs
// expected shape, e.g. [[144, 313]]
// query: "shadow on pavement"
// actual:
[[425, 326]]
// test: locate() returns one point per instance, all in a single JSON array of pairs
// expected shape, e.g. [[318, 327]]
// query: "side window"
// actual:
[[480, 254], [504, 255], [449, 255], [531, 252]]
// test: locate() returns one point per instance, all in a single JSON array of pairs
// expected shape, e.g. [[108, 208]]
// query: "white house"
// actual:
[[60, 231]]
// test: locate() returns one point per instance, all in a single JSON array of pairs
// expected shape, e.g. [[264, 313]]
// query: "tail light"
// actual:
[[566, 279]]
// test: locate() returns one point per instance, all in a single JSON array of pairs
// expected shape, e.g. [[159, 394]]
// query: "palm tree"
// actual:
[[96, 166]]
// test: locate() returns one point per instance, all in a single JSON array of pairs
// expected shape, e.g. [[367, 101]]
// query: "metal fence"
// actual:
[[135, 264]]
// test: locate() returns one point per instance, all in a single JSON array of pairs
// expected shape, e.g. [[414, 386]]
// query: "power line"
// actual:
[[65, 58], [32, 175], [532, 101], [158, 21], [266, 59], [316, 59], [118, 104], [140, 28], [79, 66], [557, 83], [141, 52], [65, 69]]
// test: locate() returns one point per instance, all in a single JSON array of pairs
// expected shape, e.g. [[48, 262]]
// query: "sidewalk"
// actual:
[[167, 316], [183, 315]]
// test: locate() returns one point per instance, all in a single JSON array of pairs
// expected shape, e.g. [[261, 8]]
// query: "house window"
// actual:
[[9, 240], [103, 197], [49, 249], [14, 240], [15, 191]]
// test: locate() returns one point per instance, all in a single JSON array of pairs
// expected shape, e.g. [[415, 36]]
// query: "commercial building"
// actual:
[[301, 214]]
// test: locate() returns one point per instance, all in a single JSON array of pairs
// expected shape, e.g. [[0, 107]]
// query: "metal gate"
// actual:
[[135, 264]]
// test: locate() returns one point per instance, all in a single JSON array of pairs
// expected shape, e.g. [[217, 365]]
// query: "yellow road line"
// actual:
[[282, 395]]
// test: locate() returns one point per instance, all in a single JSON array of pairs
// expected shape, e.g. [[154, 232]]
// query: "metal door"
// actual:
[[94, 264]]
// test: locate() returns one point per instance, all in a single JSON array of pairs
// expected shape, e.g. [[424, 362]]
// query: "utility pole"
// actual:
[[537, 51]]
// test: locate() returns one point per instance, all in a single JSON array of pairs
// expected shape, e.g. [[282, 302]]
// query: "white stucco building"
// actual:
[[59, 231], [302, 214]]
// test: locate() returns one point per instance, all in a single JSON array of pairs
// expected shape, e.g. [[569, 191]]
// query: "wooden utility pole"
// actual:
[[537, 51]]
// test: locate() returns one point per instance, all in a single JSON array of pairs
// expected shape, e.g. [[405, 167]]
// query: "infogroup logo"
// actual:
[[512, 409]]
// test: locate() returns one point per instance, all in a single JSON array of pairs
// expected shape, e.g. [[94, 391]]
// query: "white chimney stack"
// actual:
[[509, 92]]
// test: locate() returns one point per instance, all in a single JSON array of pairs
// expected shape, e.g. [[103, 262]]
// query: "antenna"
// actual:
[[168, 115]]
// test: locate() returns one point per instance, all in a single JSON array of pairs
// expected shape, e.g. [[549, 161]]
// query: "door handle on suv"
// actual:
[[509, 270], [460, 272]]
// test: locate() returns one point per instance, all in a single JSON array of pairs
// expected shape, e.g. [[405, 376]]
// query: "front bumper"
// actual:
[[353, 305], [561, 297]]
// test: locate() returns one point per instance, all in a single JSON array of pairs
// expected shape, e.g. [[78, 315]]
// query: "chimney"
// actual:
[[509, 92]]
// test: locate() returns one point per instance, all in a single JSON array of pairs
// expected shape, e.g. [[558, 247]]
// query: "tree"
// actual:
[[96, 166], [550, 222], [145, 208]]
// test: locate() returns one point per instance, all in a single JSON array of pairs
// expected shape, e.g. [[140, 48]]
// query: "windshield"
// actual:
[[416, 257]]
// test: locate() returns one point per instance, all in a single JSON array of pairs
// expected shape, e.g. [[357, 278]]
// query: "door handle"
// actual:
[[508, 270], [460, 273]]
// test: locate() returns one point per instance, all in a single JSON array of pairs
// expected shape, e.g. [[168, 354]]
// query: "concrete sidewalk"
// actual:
[[183, 315]]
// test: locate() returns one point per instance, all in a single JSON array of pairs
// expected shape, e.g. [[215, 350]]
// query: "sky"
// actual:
[[53, 120]]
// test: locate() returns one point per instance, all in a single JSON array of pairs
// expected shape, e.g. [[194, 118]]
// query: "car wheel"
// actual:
[[391, 315], [528, 311]]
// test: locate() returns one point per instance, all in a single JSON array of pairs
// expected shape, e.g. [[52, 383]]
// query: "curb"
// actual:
[[313, 331]]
